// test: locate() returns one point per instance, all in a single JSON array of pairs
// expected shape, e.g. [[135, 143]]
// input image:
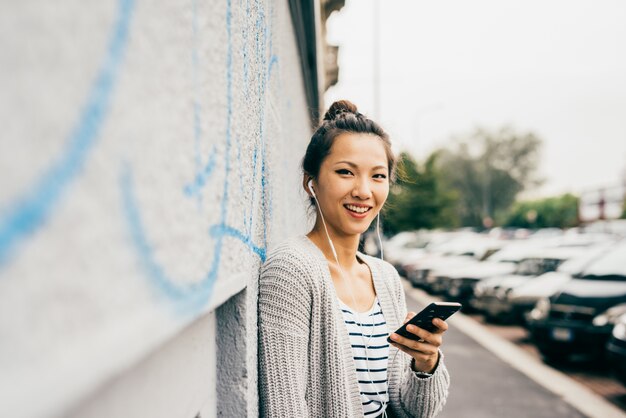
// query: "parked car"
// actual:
[[491, 296], [397, 246], [463, 250], [459, 283], [419, 273], [523, 298], [613, 226], [616, 349], [580, 317], [406, 247]]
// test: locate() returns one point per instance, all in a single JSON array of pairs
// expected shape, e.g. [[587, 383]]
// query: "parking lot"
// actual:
[[595, 375], [495, 381], [550, 304]]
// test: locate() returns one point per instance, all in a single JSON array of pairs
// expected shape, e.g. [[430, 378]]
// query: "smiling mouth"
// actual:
[[357, 209]]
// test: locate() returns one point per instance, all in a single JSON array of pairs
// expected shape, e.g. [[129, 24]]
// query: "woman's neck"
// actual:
[[346, 246]]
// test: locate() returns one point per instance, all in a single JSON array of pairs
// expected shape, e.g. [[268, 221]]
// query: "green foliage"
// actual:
[[417, 199], [487, 170], [475, 180], [558, 212]]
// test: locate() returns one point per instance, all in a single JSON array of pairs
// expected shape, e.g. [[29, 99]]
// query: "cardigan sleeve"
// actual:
[[419, 396], [284, 307]]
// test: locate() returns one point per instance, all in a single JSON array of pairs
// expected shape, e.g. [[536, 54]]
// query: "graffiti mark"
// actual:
[[225, 230], [32, 210], [194, 188], [273, 62], [244, 53], [202, 174], [189, 298]]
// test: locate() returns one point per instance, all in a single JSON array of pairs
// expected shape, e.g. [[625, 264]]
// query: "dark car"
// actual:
[[616, 349], [491, 295], [580, 317]]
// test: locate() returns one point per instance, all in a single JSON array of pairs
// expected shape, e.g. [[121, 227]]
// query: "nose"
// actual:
[[362, 189]]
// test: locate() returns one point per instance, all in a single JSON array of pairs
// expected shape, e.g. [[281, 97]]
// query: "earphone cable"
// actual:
[[365, 344]]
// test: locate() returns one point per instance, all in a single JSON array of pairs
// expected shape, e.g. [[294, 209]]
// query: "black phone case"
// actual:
[[425, 317]]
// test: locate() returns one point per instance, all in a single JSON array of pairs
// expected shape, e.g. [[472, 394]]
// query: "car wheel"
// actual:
[[492, 319], [553, 357]]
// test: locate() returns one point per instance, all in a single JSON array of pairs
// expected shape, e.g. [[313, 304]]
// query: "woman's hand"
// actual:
[[425, 352]]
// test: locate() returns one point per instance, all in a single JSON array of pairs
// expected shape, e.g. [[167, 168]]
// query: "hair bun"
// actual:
[[340, 107]]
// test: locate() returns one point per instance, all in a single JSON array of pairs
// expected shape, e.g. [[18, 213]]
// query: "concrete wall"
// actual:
[[149, 157]]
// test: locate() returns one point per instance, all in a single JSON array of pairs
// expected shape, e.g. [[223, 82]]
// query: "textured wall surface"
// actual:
[[149, 157]]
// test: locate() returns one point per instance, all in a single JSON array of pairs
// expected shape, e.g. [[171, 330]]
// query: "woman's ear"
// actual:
[[307, 182]]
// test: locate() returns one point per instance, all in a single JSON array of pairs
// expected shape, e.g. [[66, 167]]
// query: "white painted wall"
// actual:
[[178, 380], [149, 157]]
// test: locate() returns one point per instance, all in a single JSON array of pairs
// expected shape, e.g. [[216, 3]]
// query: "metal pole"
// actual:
[[376, 63]]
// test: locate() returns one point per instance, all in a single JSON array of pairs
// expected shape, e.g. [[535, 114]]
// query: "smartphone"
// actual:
[[424, 319]]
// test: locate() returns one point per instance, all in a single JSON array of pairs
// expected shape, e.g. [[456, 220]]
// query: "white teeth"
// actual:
[[357, 209]]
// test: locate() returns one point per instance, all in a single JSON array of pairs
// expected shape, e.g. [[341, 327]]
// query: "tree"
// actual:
[[417, 200], [552, 212], [488, 170]]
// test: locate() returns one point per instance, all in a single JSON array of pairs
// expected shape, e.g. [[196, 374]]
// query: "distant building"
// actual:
[[603, 203]]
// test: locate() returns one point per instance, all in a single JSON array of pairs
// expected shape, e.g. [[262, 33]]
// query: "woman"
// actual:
[[326, 309]]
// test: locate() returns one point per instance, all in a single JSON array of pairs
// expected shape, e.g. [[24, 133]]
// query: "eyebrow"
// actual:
[[351, 164]]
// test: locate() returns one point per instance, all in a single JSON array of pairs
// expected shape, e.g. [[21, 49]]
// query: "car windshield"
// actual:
[[577, 264], [418, 242], [611, 266], [501, 256], [537, 266]]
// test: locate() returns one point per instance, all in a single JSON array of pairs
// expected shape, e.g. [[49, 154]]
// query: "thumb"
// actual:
[[408, 316]]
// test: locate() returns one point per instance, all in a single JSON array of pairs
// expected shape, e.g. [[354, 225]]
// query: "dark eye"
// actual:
[[343, 171], [382, 176]]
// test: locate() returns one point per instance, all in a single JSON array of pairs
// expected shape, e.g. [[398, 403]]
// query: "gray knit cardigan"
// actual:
[[306, 367]]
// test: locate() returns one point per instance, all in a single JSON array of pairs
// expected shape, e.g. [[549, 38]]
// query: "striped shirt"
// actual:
[[369, 328]]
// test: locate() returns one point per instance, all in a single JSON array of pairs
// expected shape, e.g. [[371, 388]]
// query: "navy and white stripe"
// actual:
[[369, 329]]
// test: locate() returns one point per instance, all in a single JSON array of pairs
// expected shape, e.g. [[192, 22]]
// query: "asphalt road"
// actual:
[[483, 386]]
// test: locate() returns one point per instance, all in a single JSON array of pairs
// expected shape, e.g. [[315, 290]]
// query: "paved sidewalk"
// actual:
[[484, 386]]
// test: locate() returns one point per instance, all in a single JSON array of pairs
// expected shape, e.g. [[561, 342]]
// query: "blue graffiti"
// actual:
[[189, 298], [197, 133], [244, 53], [194, 188], [32, 210], [225, 230]]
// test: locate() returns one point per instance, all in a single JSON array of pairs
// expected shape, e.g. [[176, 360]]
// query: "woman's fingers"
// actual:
[[429, 345], [442, 326], [420, 356], [434, 337]]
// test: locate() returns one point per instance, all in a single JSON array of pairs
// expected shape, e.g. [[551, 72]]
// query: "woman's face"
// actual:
[[353, 183]]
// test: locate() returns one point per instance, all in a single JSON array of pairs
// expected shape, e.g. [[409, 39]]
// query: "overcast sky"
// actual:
[[553, 67]]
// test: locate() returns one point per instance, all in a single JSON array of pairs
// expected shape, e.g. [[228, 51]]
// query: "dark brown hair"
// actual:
[[342, 117]]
